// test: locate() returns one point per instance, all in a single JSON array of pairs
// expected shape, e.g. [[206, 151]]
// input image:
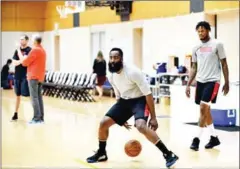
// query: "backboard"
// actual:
[[70, 7]]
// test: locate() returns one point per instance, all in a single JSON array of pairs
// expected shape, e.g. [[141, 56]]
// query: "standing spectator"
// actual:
[[20, 77], [4, 75], [36, 64], [99, 67]]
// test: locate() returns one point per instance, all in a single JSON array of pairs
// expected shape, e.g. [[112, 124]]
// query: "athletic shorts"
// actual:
[[21, 87], [125, 109], [206, 92]]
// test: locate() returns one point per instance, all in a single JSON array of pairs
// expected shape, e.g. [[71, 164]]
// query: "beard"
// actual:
[[115, 67], [206, 38]]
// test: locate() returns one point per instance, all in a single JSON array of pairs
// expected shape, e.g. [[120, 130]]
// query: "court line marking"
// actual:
[[85, 163], [47, 106], [39, 167], [77, 160], [15, 166]]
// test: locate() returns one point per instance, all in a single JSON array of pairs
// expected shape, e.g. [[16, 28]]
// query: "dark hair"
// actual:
[[204, 24], [38, 39], [26, 37], [119, 51], [9, 61]]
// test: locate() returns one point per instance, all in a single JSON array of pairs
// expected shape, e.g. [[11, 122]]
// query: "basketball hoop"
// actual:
[[62, 11], [70, 7]]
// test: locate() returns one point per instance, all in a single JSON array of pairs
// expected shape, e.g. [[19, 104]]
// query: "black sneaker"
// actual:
[[98, 157], [214, 141], [195, 144], [171, 159], [15, 116]]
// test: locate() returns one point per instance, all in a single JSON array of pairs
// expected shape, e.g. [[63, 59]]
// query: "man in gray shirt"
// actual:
[[134, 98], [207, 59]]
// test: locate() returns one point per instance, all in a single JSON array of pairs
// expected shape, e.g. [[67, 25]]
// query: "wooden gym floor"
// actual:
[[69, 135]]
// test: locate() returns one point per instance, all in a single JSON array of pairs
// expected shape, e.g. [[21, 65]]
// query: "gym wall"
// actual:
[[155, 9], [75, 52], [220, 5], [175, 36], [9, 44], [22, 16], [19, 18], [75, 44], [161, 38], [52, 17], [140, 10], [156, 46], [228, 33], [41, 16]]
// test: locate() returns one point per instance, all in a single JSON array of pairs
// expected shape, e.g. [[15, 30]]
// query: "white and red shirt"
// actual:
[[208, 56]]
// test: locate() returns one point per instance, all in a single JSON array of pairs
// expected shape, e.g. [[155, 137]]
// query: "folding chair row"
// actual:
[[71, 86]]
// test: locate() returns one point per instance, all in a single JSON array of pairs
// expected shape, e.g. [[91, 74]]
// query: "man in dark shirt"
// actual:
[[4, 75], [20, 78], [99, 67]]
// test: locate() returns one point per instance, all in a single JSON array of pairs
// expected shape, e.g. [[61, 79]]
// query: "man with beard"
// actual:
[[134, 98], [208, 58]]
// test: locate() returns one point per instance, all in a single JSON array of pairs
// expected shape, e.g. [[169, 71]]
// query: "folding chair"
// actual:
[[58, 84], [61, 84], [48, 85], [83, 90], [46, 78], [78, 81], [69, 86], [53, 84]]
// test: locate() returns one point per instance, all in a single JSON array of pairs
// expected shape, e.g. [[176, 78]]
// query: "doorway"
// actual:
[[57, 53], [137, 47]]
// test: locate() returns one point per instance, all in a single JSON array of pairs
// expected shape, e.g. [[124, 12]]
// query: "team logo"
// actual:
[[205, 49]]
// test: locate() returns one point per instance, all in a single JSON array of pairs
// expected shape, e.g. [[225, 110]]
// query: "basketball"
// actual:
[[133, 148]]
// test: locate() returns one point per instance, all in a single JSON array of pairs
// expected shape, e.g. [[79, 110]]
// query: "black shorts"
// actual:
[[206, 92], [21, 87], [125, 109]]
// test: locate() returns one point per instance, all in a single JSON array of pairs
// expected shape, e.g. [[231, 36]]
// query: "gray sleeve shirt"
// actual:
[[208, 56]]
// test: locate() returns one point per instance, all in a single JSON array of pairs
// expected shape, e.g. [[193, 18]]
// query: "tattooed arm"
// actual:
[[226, 75], [193, 74], [193, 71]]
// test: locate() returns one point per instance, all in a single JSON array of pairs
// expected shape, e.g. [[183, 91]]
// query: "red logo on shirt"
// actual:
[[206, 49]]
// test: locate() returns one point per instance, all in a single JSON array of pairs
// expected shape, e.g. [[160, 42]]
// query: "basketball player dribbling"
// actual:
[[134, 98], [207, 59]]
